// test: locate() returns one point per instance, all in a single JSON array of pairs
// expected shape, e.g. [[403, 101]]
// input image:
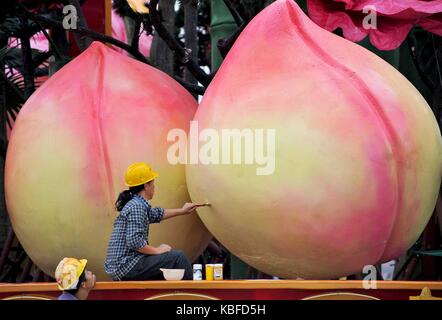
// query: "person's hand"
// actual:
[[164, 248], [189, 207]]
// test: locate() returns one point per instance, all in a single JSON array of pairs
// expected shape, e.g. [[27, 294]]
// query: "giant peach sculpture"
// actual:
[[71, 145], [358, 152]]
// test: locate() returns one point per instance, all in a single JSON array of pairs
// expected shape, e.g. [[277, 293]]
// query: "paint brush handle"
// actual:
[[203, 205]]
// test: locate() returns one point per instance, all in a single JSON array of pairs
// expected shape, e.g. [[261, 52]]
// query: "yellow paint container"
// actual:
[[218, 271], [209, 272]]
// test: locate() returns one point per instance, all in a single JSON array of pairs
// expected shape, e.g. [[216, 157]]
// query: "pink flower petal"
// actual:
[[394, 18]]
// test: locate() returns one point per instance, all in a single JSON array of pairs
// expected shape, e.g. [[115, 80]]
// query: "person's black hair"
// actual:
[[80, 281], [127, 195]]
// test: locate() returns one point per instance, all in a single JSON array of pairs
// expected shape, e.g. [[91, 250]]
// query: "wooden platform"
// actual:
[[233, 290]]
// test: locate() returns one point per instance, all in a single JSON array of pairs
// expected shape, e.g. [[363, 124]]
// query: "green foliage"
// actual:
[[12, 93], [432, 253], [12, 89], [203, 31]]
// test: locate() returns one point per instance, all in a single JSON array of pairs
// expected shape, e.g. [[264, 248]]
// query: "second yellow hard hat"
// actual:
[[138, 174], [68, 272]]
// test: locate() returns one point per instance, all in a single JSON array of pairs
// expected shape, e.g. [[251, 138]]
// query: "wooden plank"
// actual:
[[232, 284], [108, 17]]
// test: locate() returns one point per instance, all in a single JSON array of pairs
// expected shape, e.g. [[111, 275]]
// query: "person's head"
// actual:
[[73, 277], [149, 189], [139, 178]]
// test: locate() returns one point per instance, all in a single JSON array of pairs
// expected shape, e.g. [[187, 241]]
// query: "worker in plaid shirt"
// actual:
[[129, 255]]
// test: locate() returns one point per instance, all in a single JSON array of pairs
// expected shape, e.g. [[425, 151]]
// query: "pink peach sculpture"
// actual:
[[358, 152], [69, 150]]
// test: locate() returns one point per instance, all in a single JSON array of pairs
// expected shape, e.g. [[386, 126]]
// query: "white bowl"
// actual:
[[173, 274]]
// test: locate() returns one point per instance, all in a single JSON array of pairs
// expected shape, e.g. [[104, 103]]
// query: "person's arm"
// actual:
[[136, 231], [151, 250], [186, 209], [136, 234]]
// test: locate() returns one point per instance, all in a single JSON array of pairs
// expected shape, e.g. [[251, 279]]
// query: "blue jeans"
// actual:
[[148, 268]]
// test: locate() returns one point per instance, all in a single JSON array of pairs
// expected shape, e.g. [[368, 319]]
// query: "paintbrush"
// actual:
[[203, 205]]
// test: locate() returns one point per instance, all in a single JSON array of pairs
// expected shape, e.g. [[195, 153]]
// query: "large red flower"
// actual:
[[395, 18]]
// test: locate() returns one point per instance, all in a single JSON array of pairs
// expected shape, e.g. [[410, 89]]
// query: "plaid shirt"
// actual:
[[131, 229]]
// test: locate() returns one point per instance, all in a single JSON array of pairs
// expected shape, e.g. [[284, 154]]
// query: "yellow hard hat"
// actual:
[[138, 174], [68, 273]]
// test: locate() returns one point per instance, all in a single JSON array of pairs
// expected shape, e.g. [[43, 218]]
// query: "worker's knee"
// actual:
[[173, 253], [180, 257], [178, 254]]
